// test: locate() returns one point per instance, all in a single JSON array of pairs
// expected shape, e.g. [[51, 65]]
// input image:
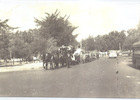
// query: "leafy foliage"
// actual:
[[133, 36], [89, 43], [54, 31], [41, 45], [53, 25], [18, 48], [4, 39], [110, 41]]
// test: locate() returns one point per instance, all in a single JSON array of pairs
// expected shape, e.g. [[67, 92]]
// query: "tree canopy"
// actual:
[[58, 27], [112, 41], [133, 36], [4, 39], [54, 31]]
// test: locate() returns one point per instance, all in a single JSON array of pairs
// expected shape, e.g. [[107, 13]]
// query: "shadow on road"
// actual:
[[112, 58], [133, 66]]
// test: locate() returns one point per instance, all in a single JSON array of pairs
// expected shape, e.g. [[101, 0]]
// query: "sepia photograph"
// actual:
[[70, 49]]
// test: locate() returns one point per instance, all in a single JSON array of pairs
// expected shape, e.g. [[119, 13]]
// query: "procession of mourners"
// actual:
[[65, 56]]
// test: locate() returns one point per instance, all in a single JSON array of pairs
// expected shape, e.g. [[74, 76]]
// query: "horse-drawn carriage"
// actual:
[[58, 58]]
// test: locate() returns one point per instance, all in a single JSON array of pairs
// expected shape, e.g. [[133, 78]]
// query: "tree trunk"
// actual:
[[20, 61], [13, 60], [5, 61]]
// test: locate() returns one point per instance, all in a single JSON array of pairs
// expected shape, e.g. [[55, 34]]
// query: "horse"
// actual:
[[48, 58], [65, 58], [55, 60]]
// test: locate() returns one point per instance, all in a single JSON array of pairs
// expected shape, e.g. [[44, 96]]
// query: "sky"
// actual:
[[92, 17]]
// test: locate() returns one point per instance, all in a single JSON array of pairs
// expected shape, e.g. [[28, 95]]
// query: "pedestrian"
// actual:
[[34, 58]]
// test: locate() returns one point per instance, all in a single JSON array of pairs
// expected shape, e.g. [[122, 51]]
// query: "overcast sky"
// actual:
[[94, 18]]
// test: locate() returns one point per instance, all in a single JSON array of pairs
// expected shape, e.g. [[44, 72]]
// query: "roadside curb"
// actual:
[[21, 68]]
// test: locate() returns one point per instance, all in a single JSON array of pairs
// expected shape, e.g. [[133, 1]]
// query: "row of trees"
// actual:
[[133, 36], [113, 41], [53, 31]]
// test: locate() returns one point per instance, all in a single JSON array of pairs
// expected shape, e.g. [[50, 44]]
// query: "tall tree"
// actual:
[[58, 27], [19, 49], [4, 39], [98, 42], [133, 36], [110, 41], [114, 40], [89, 43], [41, 45], [122, 37]]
